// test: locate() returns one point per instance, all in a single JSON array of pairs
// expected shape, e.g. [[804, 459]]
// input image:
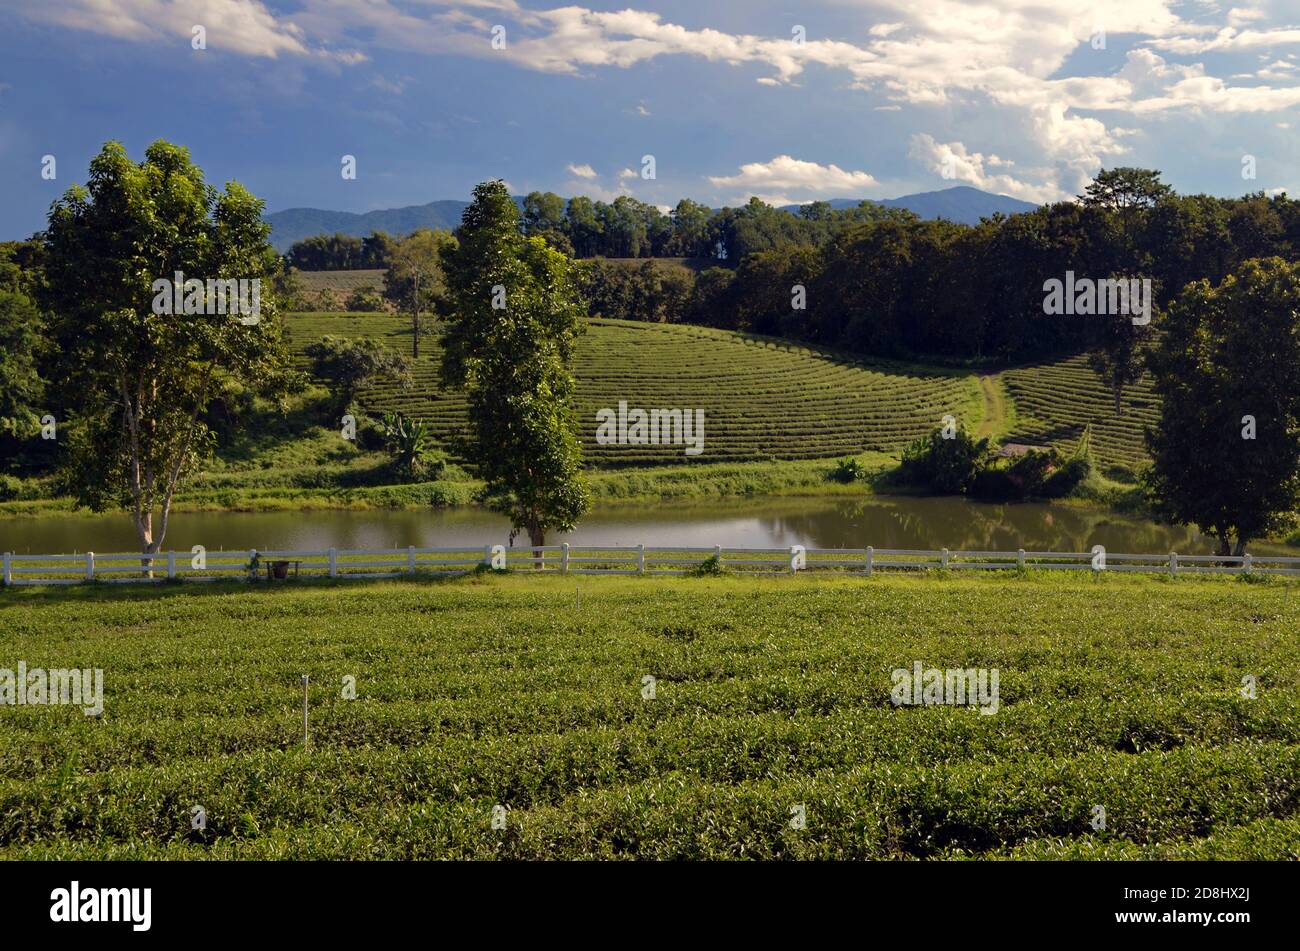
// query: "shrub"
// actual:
[[364, 299], [847, 470], [9, 488], [946, 466], [1067, 478]]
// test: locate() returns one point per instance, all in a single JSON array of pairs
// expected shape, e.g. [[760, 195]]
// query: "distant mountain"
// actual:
[[962, 204], [294, 224]]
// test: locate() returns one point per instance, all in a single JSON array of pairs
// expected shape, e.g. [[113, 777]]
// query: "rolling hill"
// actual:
[[763, 399]]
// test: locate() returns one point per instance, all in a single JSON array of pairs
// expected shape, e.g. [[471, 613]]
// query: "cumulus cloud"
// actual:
[[954, 162], [245, 27], [582, 171], [776, 180]]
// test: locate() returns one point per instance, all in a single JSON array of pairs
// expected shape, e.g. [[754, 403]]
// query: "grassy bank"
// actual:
[[769, 693]]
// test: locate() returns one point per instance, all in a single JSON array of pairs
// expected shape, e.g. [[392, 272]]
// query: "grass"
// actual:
[[526, 693]]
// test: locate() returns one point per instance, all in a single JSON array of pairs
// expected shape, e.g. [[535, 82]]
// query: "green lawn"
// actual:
[[527, 693]]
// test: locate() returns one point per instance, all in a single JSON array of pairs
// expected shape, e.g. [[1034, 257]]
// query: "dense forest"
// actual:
[[877, 280]]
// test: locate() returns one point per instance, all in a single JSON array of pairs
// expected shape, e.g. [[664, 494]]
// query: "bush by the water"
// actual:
[[962, 465]]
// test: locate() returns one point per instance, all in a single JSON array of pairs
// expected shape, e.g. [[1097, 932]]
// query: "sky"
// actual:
[[789, 101]]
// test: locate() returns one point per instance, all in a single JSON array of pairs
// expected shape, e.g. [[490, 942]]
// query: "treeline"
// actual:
[[342, 252], [900, 286], [626, 228]]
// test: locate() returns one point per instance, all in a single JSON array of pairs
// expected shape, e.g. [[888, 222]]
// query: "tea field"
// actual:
[[763, 399], [1056, 401], [531, 694]]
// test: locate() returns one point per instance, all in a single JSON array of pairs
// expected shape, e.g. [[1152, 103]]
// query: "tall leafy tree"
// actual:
[[139, 382], [1227, 449], [414, 280], [516, 312]]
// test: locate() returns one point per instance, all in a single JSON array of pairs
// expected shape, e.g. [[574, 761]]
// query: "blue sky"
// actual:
[[875, 98]]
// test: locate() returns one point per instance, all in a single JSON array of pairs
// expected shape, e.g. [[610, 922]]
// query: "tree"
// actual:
[[348, 365], [1226, 453], [21, 387], [138, 376], [515, 315], [414, 279]]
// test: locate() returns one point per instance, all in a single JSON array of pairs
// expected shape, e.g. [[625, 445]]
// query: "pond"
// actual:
[[880, 521]]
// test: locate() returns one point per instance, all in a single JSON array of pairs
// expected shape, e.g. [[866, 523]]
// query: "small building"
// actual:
[[1014, 450]]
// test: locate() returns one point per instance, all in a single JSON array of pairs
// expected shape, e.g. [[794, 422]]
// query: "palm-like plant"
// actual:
[[408, 440]]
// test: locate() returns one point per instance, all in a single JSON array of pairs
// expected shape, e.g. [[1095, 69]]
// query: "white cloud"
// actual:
[[956, 163], [774, 180], [582, 171], [246, 27]]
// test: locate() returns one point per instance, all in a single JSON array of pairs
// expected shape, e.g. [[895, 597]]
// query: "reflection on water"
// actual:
[[881, 521]]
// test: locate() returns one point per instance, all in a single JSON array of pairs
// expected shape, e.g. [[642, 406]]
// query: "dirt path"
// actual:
[[995, 407]]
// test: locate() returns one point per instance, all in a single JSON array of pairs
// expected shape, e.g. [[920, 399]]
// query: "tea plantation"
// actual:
[[763, 399], [1056, 401], [526, 694]]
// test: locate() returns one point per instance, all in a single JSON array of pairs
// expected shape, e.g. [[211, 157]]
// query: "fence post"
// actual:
[[943, 559], [640, 558], [717, 554], [334, 563], [90, 566], [487, 555], [171, 564], [871, 557], [1245, 564], [410, 558], [1173, 562], [564, 558], [1020, 558], [8, 570]]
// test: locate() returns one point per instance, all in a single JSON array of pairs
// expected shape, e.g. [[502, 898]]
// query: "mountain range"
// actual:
[[961, 204]]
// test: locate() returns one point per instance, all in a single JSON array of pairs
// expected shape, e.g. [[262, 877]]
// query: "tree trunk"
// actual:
[[415, 320], [537, 538]]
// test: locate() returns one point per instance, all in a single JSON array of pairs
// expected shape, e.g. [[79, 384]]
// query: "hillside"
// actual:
[[1055, 401], [763, 399]]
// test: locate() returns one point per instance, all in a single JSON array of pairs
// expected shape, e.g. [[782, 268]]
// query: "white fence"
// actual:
[[25, 569]]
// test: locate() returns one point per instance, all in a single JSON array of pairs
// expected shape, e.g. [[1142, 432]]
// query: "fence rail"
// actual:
[[200, 565]]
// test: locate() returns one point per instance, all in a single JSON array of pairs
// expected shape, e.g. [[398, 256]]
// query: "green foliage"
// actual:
[[1131, 700], [1228, 353], [410, 444], [347, 365], [944, 466], [513, 361], [414, 281], [138, 382], [364, 300], [341, 252], [21, 388], [847, 470]]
